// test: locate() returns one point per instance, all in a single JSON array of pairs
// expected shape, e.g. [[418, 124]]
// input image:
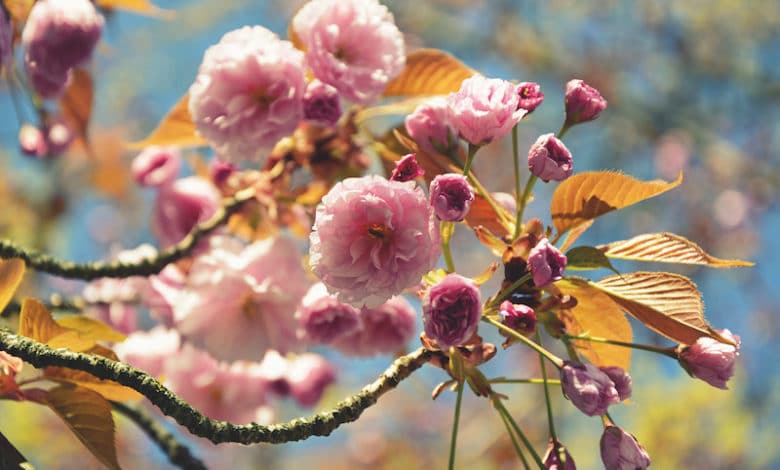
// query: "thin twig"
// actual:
[[40, 355]]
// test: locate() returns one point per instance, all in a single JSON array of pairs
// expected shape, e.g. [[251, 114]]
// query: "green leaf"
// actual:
[[588, 257], [88, 415]]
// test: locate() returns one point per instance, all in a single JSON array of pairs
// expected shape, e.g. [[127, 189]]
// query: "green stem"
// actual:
[[529, 186], [508, 291], [547, 354], [470, 159], [670, 352], [502, 380], [513, 438], [458, 401], [550, 420], [501, 409], [518, 198], [563, 130], [446, 230]]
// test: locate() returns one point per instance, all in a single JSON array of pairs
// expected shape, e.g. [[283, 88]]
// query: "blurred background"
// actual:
[[693, 86]]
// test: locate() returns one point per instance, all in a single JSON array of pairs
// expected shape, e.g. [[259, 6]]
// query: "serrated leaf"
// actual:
[[429, 72], [11, 274], [588, 257], [10, 457], [76, 104], [141, 7], [666, 248], [91, 328], [36, 322], [669, 304], [573, 234], [597, 315], [88, 415], [108, 389], [176, 129], [588, 195]]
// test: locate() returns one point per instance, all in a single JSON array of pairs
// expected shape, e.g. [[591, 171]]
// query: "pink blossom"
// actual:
[[431, 127], [519, 317], [451, 311], [321, 103], [58, 136], [485, 109], [32, 141], [384, 329], [621, 379], [6, 39], [148, 350], [162, 292], [352, 45], [546, 263], [221, 171], [373, 238], [234, 392], [156, 166], [240, 300], [549, 159], [531, 96], [323, 319], [588, 388], [407, 169], [557, 457], [621, 451], [58, 35], [583, 102], [307, 376], [248, 93], [451, 197], [710, 360], [181, 205]]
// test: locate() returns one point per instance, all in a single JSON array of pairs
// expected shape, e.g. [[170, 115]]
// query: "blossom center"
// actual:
[[379, 231], [250, 308]]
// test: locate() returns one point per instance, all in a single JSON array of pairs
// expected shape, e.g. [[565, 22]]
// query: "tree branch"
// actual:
[[177, 453], [322, 424], [145, 267]]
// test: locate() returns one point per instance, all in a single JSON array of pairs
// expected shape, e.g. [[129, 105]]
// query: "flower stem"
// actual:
[[563, 130], [513, 438], [529, 185], [508, 291], [518, 199], [547, 354], [501, 380], [501, 409], [447, 229], [458, 401], [550, 420], [470, 159], [670, 352]]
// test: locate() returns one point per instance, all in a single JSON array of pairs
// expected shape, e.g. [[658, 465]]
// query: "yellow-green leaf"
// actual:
[[666, 248], [141, 7], [596, 314], [176, 128], [108, 389], [588, 195], [667, 303], [587, 257], [429, 72], [36, 322], [88, 415], [11, 274], [91, 328]]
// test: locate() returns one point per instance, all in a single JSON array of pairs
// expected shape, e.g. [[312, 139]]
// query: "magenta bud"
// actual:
[[549, 159], [546, 263], [520, 318], [710, 360], [156, 166], [220, 171], [407, 169], [621, 379], [321, 103], [531, 96], [620, 450], [557, 457], [588, 388], [32, 141], [451, 311], [451, 197], [583, 102]]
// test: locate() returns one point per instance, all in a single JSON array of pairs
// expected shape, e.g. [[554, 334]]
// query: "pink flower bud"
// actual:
[[308, 375], [6, 39], [557, 457], [710, 360], [546, 263], [321, 103], [451, 197], [221, 171], [323, 319], [407, 169], [620, 450], [58, 137], [32, 141], [549, 159], [531, 96], [485, 109], [156, 166], [180, 206], [588, 388], [431, 127], [59, 35], [583, 102], [451, 311], [520, 318], [621, 379]]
